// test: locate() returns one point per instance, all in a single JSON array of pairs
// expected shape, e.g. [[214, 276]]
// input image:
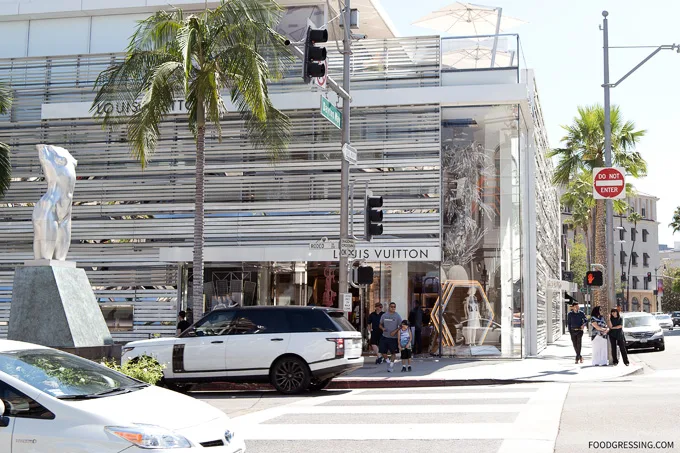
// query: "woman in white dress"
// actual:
[[599, 338]]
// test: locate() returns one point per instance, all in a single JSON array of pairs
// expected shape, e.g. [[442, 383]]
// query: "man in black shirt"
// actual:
[[183, 324], [576, 320], [376, 333]]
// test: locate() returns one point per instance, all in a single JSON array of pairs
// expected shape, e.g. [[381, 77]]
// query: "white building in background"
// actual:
[[446, 142], [638, 262], [670, 257]]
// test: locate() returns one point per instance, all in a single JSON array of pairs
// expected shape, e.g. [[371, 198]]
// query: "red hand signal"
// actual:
[[590, 278]]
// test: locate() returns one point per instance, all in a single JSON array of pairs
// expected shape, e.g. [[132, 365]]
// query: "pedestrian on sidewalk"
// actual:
[[390, 323], [616, 337], [576, 321], [599, 338], [405, 340], [415, 319], [376, 333]]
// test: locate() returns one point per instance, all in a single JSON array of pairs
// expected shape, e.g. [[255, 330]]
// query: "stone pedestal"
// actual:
[[54, 305]]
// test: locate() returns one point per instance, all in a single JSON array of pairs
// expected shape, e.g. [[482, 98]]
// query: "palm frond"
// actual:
[[124, 82], [5, 168], [143, 130], [157, 31], [5, 99], [273, 133]]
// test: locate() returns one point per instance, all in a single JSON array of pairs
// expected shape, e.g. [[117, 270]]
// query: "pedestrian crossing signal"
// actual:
[[594, 278]]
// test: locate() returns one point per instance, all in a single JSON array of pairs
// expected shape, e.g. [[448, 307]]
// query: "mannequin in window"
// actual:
[[472, 315]]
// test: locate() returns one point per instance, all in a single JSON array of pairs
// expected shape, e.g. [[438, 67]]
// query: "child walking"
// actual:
[[405, 341]]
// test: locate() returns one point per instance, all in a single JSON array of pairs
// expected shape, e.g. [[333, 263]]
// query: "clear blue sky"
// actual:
[[563, 44]]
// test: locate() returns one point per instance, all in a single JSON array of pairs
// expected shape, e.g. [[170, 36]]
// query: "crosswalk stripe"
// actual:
[[405, 409], [441, 396], [533, 415]]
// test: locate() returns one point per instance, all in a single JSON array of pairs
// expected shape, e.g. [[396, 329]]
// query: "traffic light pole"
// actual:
[[344, 93], [344, 169], [609, 225], [609, 229]]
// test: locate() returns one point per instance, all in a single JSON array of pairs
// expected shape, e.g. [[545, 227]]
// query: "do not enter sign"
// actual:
[[609, 183]]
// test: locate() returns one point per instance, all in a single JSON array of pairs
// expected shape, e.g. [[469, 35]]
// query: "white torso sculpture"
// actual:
[[52, 214]]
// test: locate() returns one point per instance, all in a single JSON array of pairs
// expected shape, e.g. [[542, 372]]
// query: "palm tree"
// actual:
[[578, 197], [5, 164], [675, 223], [635, 218], [232, 48], [584, 151]]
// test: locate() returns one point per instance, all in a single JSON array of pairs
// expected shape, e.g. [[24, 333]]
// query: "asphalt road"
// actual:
[[641, 410]]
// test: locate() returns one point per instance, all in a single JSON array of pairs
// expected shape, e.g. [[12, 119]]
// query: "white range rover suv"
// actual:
[[293, 348]]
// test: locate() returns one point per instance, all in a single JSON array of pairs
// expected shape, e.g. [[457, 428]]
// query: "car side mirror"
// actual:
[[4, 421]]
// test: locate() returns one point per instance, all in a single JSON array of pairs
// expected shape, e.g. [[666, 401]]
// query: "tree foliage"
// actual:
[[671, 290], [583, 151], [143, 368], [675, 223], [578, 261], [232, 49], [5, 163]]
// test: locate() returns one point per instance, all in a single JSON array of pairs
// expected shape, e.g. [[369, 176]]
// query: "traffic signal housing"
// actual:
[[314, 57], [373, 217], [649, 277], [363, 275], [594, 278]]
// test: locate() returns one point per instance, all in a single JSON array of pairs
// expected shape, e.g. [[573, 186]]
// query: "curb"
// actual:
[[354, 384], [386, 383]]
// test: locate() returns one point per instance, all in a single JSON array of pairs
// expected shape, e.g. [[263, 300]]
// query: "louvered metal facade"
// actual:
[[122, 215]]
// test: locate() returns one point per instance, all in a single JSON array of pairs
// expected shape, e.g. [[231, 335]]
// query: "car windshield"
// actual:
[[639, 321], [663, 317], [63, 375]]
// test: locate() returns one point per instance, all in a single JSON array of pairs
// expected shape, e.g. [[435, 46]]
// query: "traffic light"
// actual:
[[363, 275], [649, 276], [373, 217], [594, 278], [568, 276], [623, 276], [313, 62]]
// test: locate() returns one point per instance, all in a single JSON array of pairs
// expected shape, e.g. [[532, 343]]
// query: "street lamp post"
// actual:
[[609, 232]]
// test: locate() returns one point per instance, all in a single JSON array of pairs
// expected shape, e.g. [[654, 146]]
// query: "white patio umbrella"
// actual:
[[476, 57], [468, 19]]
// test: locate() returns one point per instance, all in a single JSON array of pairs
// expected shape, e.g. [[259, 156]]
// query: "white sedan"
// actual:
[[54, 402], [665, 321]]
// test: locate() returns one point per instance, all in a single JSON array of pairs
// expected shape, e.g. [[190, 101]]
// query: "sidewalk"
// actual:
[[554, 364]]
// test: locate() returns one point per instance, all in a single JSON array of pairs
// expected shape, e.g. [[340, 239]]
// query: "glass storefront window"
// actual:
[[481, 243]]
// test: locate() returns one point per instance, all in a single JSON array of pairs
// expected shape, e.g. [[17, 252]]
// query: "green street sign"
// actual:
[[584, 289], [331, 112]]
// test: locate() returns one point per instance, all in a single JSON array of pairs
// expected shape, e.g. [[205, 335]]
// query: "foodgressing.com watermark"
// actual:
[[631, 444]]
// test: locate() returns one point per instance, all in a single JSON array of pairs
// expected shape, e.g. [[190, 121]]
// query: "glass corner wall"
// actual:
[[482, 304]]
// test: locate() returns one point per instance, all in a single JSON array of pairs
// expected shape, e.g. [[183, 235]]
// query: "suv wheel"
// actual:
[[177, 387], [290, 375], [319, 385]]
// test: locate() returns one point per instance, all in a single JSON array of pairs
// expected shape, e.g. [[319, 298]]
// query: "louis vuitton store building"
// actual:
[[457, 153]]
